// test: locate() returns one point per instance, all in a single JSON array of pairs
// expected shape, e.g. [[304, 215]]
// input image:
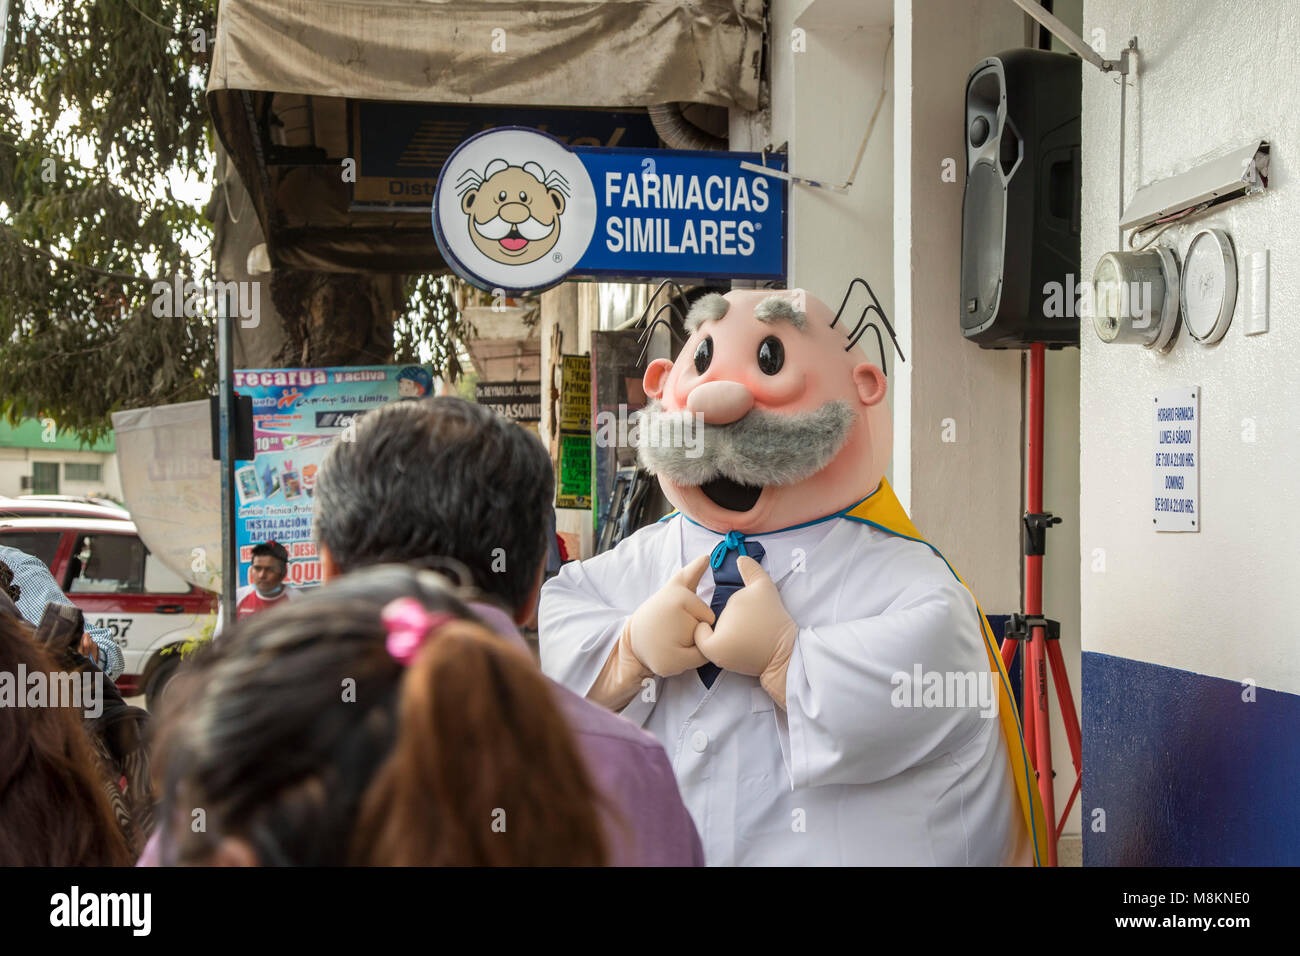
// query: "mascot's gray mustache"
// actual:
[[761, 448]]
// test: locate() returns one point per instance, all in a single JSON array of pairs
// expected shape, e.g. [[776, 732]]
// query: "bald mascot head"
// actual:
[[788, 423]]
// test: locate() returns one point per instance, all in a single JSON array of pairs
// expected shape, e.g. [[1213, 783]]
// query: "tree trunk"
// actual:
[[305, 318]]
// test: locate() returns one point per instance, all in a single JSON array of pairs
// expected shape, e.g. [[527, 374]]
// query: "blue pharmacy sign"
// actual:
[[517, 210]]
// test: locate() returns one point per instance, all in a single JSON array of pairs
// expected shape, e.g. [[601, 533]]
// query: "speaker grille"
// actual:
[[983, 219]]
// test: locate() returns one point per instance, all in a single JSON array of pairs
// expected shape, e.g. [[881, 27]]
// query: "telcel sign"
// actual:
[[517, 210]]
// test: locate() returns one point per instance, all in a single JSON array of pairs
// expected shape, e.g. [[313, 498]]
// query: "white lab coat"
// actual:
[[842, 776]]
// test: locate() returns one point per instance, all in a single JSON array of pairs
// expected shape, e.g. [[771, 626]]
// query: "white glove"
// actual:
[[755, 634], [661, 632], [659, 638]]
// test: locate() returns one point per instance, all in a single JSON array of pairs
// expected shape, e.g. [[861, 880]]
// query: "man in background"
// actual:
[[447, 484], [267, 573]]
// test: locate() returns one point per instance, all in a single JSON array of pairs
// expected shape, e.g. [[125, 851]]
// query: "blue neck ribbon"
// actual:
[[734, 541]]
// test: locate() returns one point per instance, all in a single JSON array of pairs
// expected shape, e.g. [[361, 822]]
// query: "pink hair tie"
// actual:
[[409, 625]]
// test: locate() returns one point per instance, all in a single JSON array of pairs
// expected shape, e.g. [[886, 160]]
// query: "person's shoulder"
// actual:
[[21, 560], [903, 571], [908, 557], [292, 593], [646, 544], [655, 531], [631, 768], [593, 722], [645, 539]]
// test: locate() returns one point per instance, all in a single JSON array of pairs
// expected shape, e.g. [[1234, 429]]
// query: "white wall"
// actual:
[[965, 494], [1219, 601], [828, 65]]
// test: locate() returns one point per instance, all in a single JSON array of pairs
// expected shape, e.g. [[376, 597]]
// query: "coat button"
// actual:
[[699, 741]]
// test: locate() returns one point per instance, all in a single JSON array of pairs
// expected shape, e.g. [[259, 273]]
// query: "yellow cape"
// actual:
[[882, 510]]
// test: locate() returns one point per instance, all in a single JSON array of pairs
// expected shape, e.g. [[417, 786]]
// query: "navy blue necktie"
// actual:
[[726, 582]]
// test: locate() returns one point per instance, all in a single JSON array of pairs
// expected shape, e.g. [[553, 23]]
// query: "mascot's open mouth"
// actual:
[[513, 241], [731, 495]]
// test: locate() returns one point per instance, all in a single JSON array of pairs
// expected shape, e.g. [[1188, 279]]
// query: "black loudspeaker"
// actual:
[[1020, 211]]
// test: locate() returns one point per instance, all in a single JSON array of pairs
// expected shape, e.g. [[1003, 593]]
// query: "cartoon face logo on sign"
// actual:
[[514, 209]]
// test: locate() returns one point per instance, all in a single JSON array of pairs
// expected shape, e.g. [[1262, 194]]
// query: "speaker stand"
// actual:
[[1041, 635]]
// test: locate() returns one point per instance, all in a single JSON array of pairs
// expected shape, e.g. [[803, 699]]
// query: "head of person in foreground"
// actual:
[[374, 722]]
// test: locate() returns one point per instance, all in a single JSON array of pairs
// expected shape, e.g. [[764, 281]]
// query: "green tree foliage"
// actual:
[[101, 110], [100, 100]]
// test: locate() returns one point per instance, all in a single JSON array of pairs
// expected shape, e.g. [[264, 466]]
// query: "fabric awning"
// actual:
[[287, 77], [528, 52]]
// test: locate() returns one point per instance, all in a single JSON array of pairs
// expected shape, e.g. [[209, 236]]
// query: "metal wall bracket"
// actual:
[[1072, 39]]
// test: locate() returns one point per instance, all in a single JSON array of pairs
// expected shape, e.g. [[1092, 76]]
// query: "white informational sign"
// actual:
[[1176, 490]]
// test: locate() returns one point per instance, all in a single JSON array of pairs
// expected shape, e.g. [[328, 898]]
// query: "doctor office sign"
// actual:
[[517, 210]]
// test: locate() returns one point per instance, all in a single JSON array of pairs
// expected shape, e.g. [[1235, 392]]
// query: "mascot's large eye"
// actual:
[[501, 196], [523, 196], [771, 355], [704, 354]]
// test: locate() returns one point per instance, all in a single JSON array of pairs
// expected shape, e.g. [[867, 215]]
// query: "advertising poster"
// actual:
[[298, 413], [573, 487]]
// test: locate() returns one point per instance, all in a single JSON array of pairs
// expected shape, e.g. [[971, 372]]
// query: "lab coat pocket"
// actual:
[[759, 700]]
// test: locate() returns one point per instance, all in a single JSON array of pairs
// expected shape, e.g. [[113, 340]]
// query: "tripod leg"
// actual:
[[1028, 712], [1042, 733], [1069, 803], [1008, 650], [1066, 699]]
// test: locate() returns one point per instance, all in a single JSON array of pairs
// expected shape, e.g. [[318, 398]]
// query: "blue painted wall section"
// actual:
[[1188, 773]]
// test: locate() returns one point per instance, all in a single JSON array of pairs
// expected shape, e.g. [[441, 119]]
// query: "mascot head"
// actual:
[[788, 421]]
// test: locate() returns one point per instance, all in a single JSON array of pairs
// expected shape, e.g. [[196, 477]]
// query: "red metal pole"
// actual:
[[1035, 661]]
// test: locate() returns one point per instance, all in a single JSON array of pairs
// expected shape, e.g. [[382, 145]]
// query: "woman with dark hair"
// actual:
[[53, 808], [375, 722]]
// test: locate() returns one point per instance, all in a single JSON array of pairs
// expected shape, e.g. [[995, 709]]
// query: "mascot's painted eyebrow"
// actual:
[[713, 307], [776, 309], [710, 307]]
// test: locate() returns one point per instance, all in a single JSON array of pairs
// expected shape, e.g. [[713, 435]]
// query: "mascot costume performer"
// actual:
[[824, 683]]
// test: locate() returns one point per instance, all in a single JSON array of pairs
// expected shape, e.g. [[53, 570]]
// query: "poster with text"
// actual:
[[298, 413]]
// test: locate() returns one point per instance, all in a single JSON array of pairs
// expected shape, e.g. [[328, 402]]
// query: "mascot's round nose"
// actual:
[[514, 212], [720, 402]]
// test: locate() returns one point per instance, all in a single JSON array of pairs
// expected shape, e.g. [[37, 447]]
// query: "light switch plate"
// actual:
[[1256, 276]]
